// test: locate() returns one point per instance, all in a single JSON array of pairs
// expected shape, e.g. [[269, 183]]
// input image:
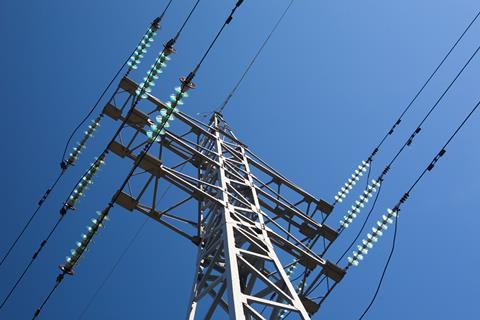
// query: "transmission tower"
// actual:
[[252, 226]]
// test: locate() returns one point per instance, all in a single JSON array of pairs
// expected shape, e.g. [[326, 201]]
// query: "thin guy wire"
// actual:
[[222, 107], [119, 259]]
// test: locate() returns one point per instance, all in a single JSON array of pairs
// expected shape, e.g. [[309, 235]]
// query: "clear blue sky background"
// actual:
[[327, 87]]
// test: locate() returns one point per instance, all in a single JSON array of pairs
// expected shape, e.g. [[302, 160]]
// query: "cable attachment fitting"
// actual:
[[410, 140], [169, 46], [187, 83], [45, 195], [63, 165], [156, 23], [394, 127], [435, 160], [384, 172], [404, 198]]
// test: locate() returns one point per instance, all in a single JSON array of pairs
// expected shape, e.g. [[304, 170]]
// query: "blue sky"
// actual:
[[327, 87]]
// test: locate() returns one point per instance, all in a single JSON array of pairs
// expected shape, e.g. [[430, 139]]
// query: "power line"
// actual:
[[227, 21], [40, 203], [186, 85], [405, 197], [168, 49], [63, 211], [345, 190], [156, 22], [418, 129], [65, 164], [364, 197], [399, 119], [230, 95], [35, 255]]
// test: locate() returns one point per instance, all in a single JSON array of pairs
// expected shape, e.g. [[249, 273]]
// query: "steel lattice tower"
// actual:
[[251, 225]]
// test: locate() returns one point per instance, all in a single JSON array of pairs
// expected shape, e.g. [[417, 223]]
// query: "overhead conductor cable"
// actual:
[[375, 184], [132, 60], [77, 192], [358, 173], [391, 216], [156, 131]]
